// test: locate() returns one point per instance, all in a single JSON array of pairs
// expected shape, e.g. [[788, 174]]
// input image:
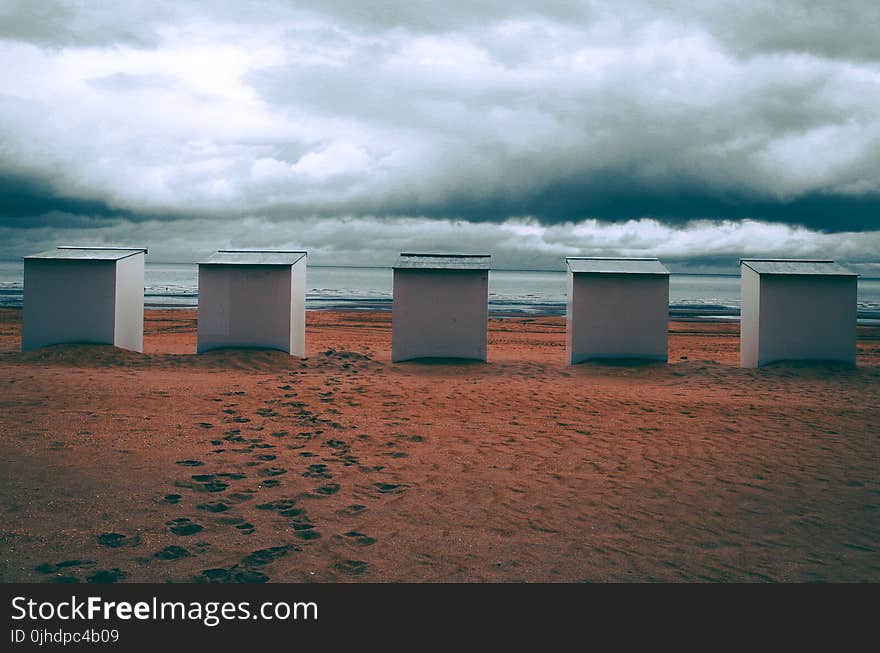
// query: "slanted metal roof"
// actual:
[[410, 261], [796, 266], [254, 257], [614, 265], [71, 253]]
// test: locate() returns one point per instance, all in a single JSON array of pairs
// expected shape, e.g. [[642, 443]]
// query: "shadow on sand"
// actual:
[[623, 362], [442, 361]]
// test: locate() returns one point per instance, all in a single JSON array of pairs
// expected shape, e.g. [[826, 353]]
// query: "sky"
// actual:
[[696, 131]]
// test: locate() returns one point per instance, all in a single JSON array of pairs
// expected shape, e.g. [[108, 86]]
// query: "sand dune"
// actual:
[[248, 465]]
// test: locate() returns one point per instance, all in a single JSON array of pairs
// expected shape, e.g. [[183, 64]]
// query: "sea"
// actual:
[[511, 292]]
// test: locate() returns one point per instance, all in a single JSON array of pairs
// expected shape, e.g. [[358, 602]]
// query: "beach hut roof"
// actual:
[[411, 261], [796, 266], [614, 265], [72, 253], [254, 257]]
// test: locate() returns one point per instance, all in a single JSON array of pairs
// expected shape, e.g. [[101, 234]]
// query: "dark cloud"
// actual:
[[57, 24], [425, 16], [615, 197], [30, 203], [838, 30]]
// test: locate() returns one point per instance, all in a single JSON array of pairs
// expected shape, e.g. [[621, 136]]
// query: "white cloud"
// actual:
[[484, 111], [701, 245], [656, 97], [338, 158]]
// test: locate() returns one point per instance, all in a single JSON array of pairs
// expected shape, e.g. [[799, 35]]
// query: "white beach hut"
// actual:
[[797, 309], [253, 298], [84, 294], [617, 308], [441, 306]]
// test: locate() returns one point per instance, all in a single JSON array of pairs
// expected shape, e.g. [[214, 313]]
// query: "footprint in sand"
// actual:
[[317, 471], [107, 576], [172, 553], [265, 556], [284, 507], [218, 506], [272, 471], [219, 575], [352, 511], [116, 540], [360, 538], [368, 470], [209, 482], [327, 490], [411, 438], [353, 567], [308, 535], [49, 568], [390, 488], [184, 527], [216, 482], [233, 520], [231, 575], [280, 504], [208, 478]]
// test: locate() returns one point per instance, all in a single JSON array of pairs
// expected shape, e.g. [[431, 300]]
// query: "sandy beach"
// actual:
[[249, 465]]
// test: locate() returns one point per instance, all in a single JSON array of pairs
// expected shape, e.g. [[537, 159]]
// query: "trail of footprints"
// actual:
[[219, 495]]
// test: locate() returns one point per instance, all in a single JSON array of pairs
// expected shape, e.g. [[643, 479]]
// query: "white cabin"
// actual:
[[617, 308], [84, 295], [441, 306], [797, 309], [253, 298]]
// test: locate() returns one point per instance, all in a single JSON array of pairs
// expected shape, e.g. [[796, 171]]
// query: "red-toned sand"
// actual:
[[167, 466]]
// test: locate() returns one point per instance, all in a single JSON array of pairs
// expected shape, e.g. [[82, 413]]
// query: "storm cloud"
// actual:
[[453, 123]]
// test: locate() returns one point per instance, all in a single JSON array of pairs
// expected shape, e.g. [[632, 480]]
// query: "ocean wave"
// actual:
[[530, 304]]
